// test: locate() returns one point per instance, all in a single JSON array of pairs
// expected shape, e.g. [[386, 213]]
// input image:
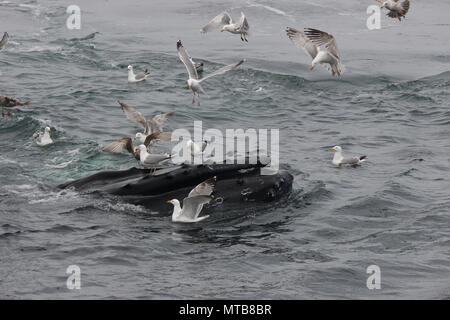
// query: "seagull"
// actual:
[[311, 41], [339, 159], [154, 125], [224, 21], [127, 144], [150, 159], [10, 102], [396, 8], [43, 139], [193, 203], [141, 76], [4, 40], [194, 82]]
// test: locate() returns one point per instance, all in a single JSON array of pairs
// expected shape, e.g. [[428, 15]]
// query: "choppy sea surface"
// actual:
[[391, 104]]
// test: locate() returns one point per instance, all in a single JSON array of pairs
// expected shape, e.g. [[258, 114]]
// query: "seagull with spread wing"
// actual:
[[194, 82], [225, 23], [127, 144], [154, 125], [193, 203], [396, 8], [311, 41]]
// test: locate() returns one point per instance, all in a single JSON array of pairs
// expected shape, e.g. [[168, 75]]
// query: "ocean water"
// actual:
[[391, 104]]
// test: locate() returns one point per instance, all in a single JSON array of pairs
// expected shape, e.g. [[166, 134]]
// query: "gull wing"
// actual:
[[192, 206], [222, 70], [218, 21], [119, 145], [243, 23], [4, 40], [163, 136], [352, 160], [141, 75], [186, 59], [204, 189], [301, 41], [155, 158], [156, 123], [135, 116], [320, 38]]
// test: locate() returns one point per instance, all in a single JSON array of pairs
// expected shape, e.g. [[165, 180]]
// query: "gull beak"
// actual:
[[312, 67], [169, 201], [332, 148], [189, 86]]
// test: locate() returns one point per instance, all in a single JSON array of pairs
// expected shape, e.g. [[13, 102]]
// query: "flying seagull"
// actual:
[[194, 82], [339, 159], [43, 139], [154, 125], [225, 23], [311, 41], [141, 76], [396, 8], [4, 40], [193, 203], [127, 144]]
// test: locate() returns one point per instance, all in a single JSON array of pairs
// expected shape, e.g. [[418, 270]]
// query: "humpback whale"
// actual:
[[237, 186]]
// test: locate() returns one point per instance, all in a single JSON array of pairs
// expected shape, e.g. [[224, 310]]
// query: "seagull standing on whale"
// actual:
[[194, 83], [150, 159]]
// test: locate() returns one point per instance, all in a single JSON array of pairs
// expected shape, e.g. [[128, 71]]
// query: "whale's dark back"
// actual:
[[237, 184]]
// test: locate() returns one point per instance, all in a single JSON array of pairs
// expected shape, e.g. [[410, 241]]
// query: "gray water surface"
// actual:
[[391, 104]]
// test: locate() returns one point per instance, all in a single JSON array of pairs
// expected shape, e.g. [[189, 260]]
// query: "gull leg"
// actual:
[[242, 38], [245, 37], [193, 99], [332, 72]]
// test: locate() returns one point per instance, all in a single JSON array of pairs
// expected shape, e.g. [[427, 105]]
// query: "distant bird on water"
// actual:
[[339, 159], [141, 76]]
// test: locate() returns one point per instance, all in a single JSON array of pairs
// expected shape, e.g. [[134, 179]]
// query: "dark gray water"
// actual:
[[391, 104]]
